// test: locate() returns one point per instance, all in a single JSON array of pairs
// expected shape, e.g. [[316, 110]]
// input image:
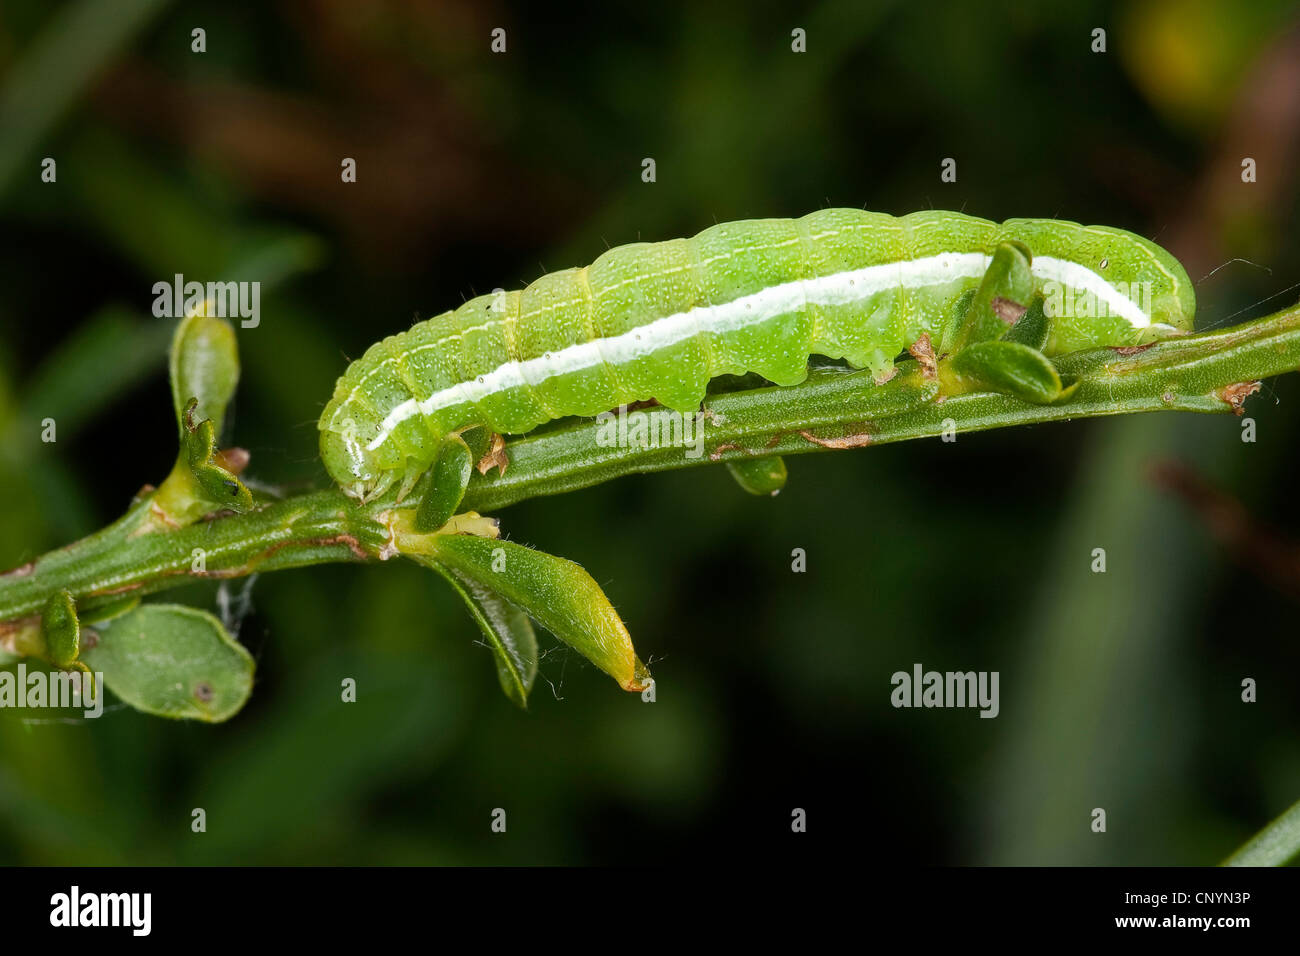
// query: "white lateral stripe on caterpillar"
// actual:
[[551, 306], [840, 288]]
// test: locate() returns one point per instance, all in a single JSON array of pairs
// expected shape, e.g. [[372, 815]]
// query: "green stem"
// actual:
[[832, 409], [840, 409], [1276, 845], [126, 559]]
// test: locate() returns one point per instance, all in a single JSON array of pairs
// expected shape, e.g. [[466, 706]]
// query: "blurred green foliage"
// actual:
[[477, 170]]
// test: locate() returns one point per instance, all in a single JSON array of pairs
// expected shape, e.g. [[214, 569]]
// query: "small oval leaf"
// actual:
[[1010, 368], [172, 661], [204, 365], [446, 484]]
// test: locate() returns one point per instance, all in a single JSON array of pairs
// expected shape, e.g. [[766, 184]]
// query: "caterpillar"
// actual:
[[659, 320]]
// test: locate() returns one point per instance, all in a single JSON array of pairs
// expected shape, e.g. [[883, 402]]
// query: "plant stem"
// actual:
[[1276, 845], [832, 409], [126, 560], [837, 409]]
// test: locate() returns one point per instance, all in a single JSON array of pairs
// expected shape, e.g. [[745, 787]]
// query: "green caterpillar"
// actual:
[[659, 320]]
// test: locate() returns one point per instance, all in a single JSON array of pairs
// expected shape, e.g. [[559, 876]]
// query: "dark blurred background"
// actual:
[[476, 170]]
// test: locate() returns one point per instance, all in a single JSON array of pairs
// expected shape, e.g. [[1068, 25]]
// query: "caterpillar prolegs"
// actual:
[[659, 320]]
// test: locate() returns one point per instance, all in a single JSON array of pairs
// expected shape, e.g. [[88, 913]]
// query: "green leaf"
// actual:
[[759, 476], [478, 440], [556, 593], [204, 367], [1276, 845], [220, 488], [1010, 368], [508, 631], [205, 358], [446, 484], [1003, 296], [172, 661], [1032, 329]]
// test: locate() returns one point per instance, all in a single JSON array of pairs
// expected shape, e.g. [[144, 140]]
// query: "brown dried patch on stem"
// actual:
[[161, 516], [250, 566], [859, 440], [1236, 395], [1130, 349], [923, 351], [1008, 310], [389, 547], [126, 588], [717, 452], [326, 542], [17, 635], [21, 571], [495, 457]]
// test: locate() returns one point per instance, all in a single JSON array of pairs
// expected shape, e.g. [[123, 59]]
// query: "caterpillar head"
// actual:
[[1104, 286], [351, 464], [1174, 302]]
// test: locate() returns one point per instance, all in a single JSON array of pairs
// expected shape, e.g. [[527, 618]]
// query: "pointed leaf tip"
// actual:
[[556, 593]]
